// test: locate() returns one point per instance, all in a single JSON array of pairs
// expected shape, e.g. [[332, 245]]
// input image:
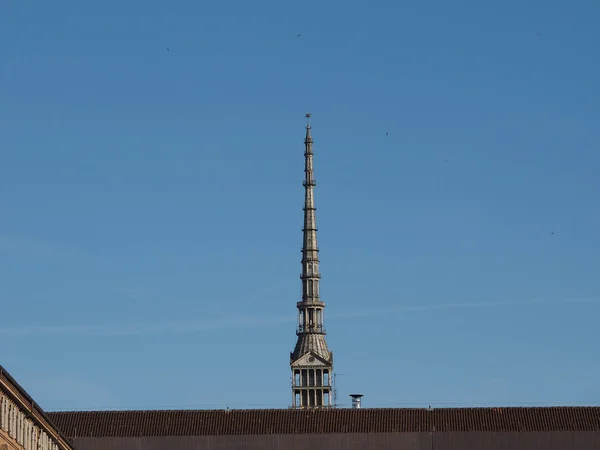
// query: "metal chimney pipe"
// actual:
[[356, 400]]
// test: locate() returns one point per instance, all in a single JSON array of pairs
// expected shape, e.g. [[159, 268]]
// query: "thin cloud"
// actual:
[[195, 327], [463, 305], [245, 321], [147, 328], [35, 247], [141, 293], [258, 321]]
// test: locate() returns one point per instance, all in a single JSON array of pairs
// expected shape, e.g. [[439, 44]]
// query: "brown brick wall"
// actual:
[[363, 441]]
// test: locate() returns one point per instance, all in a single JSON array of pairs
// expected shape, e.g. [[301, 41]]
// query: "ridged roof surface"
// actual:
[[311, 343], [286, 421]]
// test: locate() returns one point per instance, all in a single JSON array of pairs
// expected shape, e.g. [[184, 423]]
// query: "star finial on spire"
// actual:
[[307, 115]]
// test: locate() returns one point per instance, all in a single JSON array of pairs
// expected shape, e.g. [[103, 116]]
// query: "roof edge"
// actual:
[[320, 410], [37, 414]]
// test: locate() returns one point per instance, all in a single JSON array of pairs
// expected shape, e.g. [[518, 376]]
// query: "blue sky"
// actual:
[[151, 200]]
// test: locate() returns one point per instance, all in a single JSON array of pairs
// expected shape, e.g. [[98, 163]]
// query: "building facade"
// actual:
[[311, 361], [554, 428], [23, 424]]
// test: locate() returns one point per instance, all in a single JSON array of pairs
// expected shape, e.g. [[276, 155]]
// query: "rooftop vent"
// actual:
[[356, 400]]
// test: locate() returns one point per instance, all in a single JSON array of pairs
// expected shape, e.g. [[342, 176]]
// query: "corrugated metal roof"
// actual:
[[516, 419], [286, 421]]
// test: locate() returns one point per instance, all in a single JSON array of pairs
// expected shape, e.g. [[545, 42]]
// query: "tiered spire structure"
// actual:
[[311, 361]]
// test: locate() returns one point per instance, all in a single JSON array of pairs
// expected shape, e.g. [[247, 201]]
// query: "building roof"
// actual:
[[10, 387], [289, 421], [311, 343]]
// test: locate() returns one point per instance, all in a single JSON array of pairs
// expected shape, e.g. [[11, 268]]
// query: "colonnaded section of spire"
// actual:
[[311, 361]]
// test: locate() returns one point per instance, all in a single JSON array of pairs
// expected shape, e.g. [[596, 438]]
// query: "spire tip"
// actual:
[[308, 138]]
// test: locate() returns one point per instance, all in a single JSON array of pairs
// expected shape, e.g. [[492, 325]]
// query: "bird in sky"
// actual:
[[299, 34]]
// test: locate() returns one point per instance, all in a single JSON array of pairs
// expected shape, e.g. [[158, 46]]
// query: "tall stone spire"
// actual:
[[311, 361]]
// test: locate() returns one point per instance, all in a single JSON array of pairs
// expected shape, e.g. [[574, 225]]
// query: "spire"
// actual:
[[309, 248], [311, 358]]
